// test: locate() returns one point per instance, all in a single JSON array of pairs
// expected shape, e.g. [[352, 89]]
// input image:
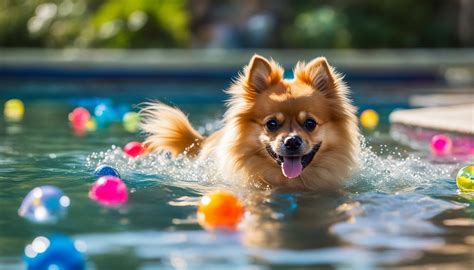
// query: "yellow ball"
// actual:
[[14, 110], [130, 121], [465, 179], [91, 124], [369, 119]]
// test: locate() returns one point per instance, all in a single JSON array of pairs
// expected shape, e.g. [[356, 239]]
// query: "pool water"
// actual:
[[400, 210]]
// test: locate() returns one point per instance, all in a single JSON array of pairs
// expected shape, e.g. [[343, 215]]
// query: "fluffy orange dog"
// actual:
[[300, 133]]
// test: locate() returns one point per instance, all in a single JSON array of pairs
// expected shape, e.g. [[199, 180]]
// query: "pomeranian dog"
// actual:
[[298, 133]]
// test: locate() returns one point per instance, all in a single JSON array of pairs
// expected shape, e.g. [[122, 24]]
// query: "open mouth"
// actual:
[[292, 166]]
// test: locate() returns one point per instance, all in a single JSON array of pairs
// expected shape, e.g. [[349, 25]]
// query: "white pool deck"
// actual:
[[445, 98], [452, 119]]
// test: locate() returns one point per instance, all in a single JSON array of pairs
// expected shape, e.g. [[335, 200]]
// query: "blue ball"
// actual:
[[106, 170], [104, 114], [45, 204], [54, 252]]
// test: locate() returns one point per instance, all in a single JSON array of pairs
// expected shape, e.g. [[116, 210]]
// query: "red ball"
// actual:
[[109, 190], [133, 149], [79, 117]]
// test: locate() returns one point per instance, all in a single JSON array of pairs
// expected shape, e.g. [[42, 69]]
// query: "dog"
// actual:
[[299, 134]]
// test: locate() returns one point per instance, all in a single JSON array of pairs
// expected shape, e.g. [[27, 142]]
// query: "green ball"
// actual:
[[131, 121], [465, 179]]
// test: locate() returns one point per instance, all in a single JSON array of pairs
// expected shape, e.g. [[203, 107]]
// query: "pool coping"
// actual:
[[359, 65], [453, 118]]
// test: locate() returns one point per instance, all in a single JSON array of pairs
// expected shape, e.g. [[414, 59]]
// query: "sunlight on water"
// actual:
[[386, 205], [401, 209], [396, 221], [200, 250]]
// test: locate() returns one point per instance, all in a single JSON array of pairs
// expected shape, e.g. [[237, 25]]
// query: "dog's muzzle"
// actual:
[[305, 159]]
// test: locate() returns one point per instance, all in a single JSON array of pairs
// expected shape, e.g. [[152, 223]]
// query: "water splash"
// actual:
[[161, 168], [387, 171], [393, 171]]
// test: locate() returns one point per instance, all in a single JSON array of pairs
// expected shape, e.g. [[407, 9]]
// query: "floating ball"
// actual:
[[14, 110], [220, 210], [109, 191], [54, 252], [441, 145], [106, 170], [465, 179], [104, 114], [91, 124], [369, 119], [133, 149], [45, 204], [79, 117], [130, 121]]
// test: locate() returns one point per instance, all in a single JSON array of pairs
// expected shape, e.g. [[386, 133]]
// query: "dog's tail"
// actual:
[[168, 129]]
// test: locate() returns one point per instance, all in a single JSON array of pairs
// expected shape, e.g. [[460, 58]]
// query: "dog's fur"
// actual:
[[240, 149]]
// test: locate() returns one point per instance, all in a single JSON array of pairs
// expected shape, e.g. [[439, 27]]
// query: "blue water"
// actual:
[[399, 210]]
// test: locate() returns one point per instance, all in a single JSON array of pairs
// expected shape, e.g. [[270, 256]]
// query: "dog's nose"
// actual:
[[292, 142]]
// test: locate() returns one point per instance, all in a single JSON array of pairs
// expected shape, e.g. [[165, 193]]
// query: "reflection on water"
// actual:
[[292, 221]]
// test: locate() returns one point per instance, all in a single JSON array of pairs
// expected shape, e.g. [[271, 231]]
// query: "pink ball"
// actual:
[[441, 145], [133, 149], [109, 190], [79, 117]]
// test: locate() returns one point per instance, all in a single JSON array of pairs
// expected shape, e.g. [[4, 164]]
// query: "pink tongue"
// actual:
[[291, 167]]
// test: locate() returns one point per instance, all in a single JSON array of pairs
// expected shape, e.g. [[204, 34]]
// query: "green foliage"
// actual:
[[94, 23], [322, 27], [144, 23], [167, 23], [373, 24]]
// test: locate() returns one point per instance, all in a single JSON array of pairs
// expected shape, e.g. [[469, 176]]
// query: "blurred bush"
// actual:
[[94, 23], [375, 24], [230, 23]]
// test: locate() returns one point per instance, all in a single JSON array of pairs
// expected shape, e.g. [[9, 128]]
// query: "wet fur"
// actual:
[[238, 149]]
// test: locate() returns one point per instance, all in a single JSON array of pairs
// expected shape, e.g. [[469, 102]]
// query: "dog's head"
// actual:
[[291, 125]]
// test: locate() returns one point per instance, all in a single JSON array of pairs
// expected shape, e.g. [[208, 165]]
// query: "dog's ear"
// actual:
[[260, 74], [318, 74]]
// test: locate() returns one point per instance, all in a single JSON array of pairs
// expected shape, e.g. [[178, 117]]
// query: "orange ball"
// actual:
[[220, 210]]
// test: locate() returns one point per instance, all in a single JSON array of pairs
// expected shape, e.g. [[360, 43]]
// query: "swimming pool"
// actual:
[[400, 210]]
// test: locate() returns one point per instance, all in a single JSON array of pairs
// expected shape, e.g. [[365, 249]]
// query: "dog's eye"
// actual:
[[310, 124], [272, 125]]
